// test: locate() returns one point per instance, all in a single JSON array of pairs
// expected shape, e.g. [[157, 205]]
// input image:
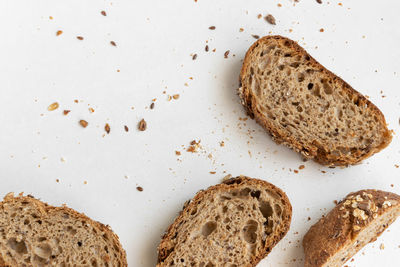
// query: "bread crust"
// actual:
[[311, 151], [167, 244], [46, 210], [340, 228]]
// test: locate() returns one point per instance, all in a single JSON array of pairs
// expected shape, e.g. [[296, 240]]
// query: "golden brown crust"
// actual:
[[313, 151], [167, 245], [46, 210], [342, 225]]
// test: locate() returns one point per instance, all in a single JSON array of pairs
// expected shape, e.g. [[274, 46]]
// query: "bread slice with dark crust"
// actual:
[[235, 223], [357, 220], [32, 233], [308, 108]]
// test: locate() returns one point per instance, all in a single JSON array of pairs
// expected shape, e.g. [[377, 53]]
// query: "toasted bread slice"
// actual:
[[235, 223], [357, 220], [307, 107], [36, 234]]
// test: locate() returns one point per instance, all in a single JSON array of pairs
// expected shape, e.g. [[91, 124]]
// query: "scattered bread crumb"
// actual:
[[107, 128], [139, 188], [103, 13], [59, 32], [113, 43], [142, 125], [83, 123], [53, 106]]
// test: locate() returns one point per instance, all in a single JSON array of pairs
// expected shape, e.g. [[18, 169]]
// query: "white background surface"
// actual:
[[155, 40]]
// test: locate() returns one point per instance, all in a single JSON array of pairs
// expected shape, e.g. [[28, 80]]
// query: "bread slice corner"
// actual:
[[34, 233], [356, 221], [308, 108], [235, 223]]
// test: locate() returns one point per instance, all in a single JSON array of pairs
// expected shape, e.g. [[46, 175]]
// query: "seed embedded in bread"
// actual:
[[357, 220], [307, 107], [36, 234], [235, 223]]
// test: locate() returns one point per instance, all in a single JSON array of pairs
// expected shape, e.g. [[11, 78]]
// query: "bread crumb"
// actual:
[[57, 180], [103, 13], [59, 32], [309, 219], [259, 16], [270, 19], [194, 56], [126, 128], [80, 38], [142, 125], [84, 182], [194, 145], [176, 96], [91, 110], [226, 54], [319, 1], [255, 36], [301, 167], [241, 29], [50, 17], [76, 101], [212, 28], [62, 159], [53, 106], [113, 43], [321, 30], [382, 247], [222, 144], [139, 188], [396, 165], [83, 123], [212, 172], [107, 128], [178, 153], [295, 171]]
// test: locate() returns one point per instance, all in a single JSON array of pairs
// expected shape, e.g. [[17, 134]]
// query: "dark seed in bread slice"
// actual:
[[357, 220], [235, 223], [36, 234], [307, 107]]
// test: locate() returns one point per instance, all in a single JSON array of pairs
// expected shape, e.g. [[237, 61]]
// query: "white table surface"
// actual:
[[155, 41]]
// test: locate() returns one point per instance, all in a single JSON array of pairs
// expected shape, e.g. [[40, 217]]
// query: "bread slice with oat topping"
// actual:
[[235, 223], [307, 107], [356, 221], [33, 233]]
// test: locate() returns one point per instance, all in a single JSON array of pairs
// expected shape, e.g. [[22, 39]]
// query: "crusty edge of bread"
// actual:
[[228, 184], [339, 229], [44, 208], [250, 102]]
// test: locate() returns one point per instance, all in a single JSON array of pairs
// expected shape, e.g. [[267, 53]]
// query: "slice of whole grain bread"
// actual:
[[307, 107], [235, 223], [357, 220], [32, 233]]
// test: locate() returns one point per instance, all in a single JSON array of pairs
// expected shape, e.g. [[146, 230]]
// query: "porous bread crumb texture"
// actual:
[[232, 224], [33, 233], [307, 107], [356, 221]]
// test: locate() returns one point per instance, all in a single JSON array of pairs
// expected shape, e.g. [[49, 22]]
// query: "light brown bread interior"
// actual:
[[33, 233], [359, 219], [235, 223], [307, 107]]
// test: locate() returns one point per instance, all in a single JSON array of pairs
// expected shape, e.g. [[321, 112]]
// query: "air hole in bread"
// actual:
[[287, 55], [208, 228], [256, 194], [310, 86], [70, 230], [300, 77], [43, 251], [18, 247], [266, 209], [250, 232], [245, 192], [281, 67], [295, 65]]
